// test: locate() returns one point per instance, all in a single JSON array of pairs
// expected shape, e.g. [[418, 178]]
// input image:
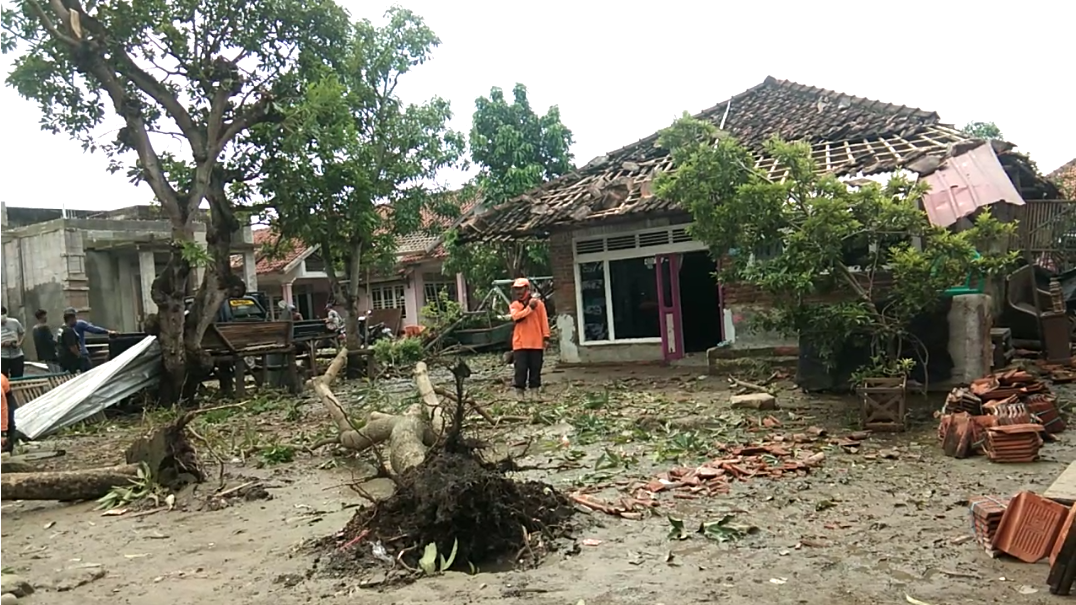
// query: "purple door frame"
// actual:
[[668, 275]]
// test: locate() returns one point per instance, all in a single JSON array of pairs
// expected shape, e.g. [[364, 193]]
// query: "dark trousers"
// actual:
[[13, 366], [84, 363], [528, 365]]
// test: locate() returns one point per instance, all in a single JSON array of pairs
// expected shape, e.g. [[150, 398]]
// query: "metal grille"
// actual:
[[1048, 231]]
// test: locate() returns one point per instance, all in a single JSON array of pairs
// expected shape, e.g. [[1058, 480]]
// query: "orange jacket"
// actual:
[[6, 388], [532, 325]]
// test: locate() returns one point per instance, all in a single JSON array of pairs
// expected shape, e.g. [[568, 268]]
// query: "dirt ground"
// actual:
[[873, 526]]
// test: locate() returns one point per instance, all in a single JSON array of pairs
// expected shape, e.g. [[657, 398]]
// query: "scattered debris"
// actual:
[[772, 460]]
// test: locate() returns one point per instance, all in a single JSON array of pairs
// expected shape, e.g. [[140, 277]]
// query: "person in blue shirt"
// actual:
[[80, 327]]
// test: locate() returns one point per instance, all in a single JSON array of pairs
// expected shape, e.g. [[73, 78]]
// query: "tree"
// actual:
[[516, 150], [204, 72], [348, 168], [848, 270], [982, 130]]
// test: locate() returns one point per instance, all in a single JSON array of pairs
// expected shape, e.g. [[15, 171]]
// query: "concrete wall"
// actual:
[[44, 270]]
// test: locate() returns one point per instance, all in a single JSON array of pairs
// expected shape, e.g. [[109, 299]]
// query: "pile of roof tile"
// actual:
[[1002, 415]]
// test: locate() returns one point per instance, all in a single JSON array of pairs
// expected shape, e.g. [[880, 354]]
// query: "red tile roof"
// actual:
[[411, 248], [1065, 177]]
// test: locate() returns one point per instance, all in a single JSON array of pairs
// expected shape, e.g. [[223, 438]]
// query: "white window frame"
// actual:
[[379, 293], [612, 255], [431, 288]]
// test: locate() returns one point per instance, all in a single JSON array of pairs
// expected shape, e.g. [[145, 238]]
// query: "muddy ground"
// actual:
[[869, 526]]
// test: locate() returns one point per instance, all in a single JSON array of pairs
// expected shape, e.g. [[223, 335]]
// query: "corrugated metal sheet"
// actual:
[[964, 183], [106, 385]]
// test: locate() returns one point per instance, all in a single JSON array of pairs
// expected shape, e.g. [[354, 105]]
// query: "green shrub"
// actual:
[[398, 353]]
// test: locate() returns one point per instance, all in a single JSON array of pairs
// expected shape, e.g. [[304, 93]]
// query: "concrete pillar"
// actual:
[[147, 272], [130, 321], [285, 293], [461, 288], [250, 271], [970, 321]]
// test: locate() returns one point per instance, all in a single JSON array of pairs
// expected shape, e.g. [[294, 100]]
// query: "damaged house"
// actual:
[[633, 285]]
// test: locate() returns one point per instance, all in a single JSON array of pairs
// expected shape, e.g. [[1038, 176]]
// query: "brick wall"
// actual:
[[561, 259]]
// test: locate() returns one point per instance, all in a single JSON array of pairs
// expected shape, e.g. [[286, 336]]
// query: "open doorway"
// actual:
[[700, 305]]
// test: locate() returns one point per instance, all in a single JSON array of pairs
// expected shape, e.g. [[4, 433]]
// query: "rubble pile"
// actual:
[[1004, 416]]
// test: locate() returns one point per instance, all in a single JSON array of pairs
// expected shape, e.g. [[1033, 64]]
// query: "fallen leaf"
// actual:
[[50, 524], [1025, 589], [778, 580], [913, 600], [590, 542], [114, 512]]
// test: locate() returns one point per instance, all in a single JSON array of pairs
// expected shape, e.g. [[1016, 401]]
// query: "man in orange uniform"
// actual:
[[528, 338], [8, 417]]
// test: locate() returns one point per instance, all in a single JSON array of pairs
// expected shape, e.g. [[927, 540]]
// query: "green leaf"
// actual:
[[676, 529], [446, 565], [428, 562]]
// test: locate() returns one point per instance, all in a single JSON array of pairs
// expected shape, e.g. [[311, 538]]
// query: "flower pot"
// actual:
[[884, 403]]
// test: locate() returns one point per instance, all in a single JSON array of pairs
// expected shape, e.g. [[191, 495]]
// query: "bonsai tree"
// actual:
[[845, 264]]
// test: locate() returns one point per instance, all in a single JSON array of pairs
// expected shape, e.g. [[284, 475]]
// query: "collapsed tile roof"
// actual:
[[1065, 177], [849, 135]]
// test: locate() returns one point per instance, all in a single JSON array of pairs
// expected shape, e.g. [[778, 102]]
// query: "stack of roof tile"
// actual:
[[1044, 407], [986, 514], [1013, 443], [1000, 415]]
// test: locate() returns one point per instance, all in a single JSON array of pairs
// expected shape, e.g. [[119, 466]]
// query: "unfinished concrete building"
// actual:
[[102, 264]]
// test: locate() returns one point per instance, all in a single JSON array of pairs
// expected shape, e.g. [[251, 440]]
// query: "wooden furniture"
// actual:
[[269, 344]]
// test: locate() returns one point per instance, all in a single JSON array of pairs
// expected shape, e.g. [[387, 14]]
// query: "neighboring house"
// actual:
[[296, 272], [632, 284], [103, 264], [1065, 177]]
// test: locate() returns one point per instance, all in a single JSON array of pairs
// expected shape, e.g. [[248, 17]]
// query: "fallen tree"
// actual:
[[164, 455], [447, 499], [408, 435]]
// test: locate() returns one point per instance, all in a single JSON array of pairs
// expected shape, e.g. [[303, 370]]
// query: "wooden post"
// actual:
[[240, 376]]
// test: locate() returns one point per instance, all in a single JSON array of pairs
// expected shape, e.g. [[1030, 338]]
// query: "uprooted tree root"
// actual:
[[459, 502]]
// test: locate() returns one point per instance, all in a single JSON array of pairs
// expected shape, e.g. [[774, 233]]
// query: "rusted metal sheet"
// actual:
[[964, 183]]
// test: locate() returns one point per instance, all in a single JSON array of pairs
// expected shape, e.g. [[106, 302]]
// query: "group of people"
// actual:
[[62, 352]]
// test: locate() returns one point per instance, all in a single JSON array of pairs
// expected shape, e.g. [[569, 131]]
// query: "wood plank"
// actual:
[[1063, 571], [1063, 489]]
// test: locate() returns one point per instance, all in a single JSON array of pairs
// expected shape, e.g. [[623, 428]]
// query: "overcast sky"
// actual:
[[622, 70]]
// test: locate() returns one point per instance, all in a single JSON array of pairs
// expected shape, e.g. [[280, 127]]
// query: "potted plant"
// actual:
[[882, 386]]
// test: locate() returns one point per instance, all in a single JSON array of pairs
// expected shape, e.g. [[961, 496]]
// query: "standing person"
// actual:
[[67, 350], [528, 338], [12, 361], [81, 327], [333, 321], [45, 341]]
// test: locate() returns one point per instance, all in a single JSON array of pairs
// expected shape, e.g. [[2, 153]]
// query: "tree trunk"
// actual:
[[165, 453], [408, 435], [88, 484], [354, 339], [169, 291], [218, 283]]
